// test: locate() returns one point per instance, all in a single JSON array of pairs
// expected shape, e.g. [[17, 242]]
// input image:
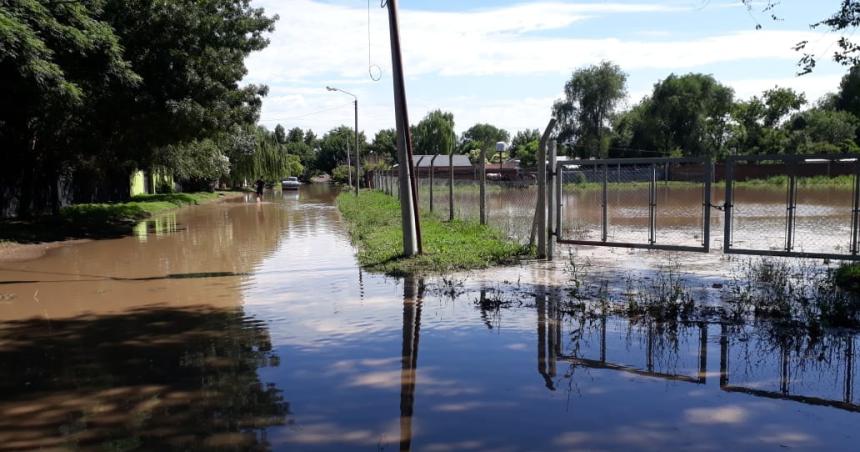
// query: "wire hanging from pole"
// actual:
[[370, 65]]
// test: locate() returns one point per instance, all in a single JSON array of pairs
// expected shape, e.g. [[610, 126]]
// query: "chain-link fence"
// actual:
[[509, 206], [638, 203], [792, 205]]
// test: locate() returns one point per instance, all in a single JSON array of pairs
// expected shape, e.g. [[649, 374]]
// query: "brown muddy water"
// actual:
[[249, 326]]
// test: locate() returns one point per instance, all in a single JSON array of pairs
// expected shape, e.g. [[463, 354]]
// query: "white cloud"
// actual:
[[317, 43]]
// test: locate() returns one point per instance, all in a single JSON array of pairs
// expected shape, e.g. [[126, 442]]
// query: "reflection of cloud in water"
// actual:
[[731, 414], [469, 406]]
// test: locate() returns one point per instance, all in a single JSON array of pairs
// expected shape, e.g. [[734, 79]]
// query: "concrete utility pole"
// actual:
[[357, 156], [408, 196]]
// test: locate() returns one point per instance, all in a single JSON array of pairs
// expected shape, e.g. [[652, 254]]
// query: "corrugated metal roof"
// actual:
[[423, 160]]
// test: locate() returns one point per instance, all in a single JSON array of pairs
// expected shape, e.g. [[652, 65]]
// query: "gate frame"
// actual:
[[791, 160], [708, 166]]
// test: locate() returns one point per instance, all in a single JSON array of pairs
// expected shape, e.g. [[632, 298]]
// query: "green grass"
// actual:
[[137, 208], [374, 225], [847, 277], [98, 220]]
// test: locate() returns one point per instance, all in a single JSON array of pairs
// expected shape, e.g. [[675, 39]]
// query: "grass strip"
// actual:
[[374, 225]]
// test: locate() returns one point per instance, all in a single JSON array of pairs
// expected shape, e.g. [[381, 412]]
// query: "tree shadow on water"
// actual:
[[155, 378]]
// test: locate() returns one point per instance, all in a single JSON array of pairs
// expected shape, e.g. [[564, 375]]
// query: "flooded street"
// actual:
[[249, 326]]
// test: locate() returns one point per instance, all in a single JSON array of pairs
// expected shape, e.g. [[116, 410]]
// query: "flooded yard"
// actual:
[[249, 326]]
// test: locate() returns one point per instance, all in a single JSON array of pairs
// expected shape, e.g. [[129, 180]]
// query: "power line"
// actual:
[[306, 114]]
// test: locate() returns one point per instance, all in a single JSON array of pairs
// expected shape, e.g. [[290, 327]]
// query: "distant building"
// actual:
[[463, 168]]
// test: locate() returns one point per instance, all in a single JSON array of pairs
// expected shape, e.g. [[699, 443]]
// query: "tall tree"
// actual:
[[434, 134], [591, 98], [280, 134], [295, 135], [686, 115], [333, 147], [757, 122], [483, 136], [56, 58], [385, 144]]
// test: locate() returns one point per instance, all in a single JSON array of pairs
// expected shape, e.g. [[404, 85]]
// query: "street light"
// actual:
[[357, 157]]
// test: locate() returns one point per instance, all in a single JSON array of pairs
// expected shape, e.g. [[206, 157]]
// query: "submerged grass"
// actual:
[[137, 208], [374, 224], [99, 219]]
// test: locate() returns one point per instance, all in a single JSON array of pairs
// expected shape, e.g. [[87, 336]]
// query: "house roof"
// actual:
[[423, 160]]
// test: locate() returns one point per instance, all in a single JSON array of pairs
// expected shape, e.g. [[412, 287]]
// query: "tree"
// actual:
[[385, 145], [434, 134], [522, 138], [686, 115], [296, 135], [591, 97], [311, 138], [848, 96], [334, 145], [845, 19], [817, 131], [95, 89], [55, 60], [527, 153], [280, 134], [758, 122], [483, 136]]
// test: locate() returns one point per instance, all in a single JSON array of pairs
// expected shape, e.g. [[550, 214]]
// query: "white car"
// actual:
[[291, 183]]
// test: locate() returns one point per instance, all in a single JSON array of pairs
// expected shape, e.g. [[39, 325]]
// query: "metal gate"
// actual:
[[652, 203], [814, 211], [775, 205]]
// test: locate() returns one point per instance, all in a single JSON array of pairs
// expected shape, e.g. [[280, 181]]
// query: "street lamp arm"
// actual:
[[330, 88]]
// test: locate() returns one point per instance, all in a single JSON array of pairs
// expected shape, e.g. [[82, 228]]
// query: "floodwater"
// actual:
[[822, 215], [249, 326]]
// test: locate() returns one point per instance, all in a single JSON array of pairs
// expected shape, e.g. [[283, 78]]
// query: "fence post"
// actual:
[[706, 216], [652, 204], [483, 181], [451, 185], [792, 205], [432, 174], [559, 180], [727, 206], [551, 201], [855, 209], [605, 215]]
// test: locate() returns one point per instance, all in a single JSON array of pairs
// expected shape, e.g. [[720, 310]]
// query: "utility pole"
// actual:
[[408, 196]]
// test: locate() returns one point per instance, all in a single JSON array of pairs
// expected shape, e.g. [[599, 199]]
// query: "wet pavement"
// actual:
[[249, 326]]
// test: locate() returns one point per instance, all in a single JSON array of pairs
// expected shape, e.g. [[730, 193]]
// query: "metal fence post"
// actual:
[[605, 214], [792, 206], [706, 215], [432, 171], [550, 192], [559, 180], [652, 204], [855, 209], [451, 186], [483, 181], [728, 205]]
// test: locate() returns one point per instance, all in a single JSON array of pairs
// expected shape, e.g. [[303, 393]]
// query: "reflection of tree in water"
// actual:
[[155, 379]]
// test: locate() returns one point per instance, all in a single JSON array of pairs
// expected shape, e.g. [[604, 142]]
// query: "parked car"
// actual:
[[291, 183]]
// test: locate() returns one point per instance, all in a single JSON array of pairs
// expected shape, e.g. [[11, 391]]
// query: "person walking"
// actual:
[[260, 185]]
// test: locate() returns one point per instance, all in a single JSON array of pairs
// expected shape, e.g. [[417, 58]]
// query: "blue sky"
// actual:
[[504, 62]]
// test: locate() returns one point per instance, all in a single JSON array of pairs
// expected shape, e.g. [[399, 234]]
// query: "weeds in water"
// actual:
[[578, 271], [663, 297], [796, 292]]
